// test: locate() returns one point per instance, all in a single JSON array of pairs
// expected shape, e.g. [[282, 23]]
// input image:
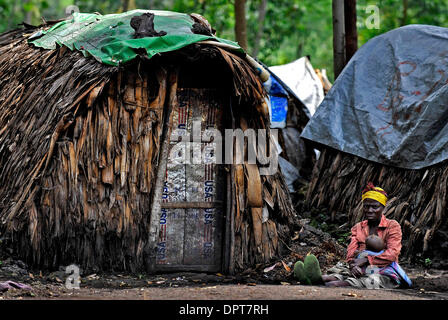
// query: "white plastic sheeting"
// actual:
[[301, 78]]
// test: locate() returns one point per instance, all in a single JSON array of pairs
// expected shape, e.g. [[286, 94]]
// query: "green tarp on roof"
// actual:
[[109, 38]]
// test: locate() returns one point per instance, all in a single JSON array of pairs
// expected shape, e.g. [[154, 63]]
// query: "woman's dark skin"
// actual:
[[372, 213]]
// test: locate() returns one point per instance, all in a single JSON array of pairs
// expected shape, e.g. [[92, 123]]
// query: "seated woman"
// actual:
[[372, 255], [378, 267]]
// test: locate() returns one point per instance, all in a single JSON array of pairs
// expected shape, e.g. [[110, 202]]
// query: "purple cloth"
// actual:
[[393, 271], [5, 286]]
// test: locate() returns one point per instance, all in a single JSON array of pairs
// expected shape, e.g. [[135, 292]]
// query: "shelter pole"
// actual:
[[338, 37], [233, 196], [170, 101], [351, 32], [240, 23]]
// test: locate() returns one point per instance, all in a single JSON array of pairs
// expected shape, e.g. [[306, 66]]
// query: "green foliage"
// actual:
[[432, 12], [424, 262], [342, 240], [291, 28], [338, 229]]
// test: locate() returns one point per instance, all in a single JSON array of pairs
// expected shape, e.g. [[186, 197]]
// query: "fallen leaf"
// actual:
[[350, 294], [298, 256], [269, 268], [285, 283], [286, 267], [31, 276], [296, 236], [251, 284], [219, 274]]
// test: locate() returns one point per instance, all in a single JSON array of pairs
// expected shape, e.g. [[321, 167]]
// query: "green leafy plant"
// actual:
[[342, 240], [424, 262]]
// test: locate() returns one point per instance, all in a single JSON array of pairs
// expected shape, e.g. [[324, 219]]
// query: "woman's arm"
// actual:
[[352, 252], [353, 246]]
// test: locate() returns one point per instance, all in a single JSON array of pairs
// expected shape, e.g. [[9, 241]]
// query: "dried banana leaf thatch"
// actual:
[[417, 198], [79, 145]]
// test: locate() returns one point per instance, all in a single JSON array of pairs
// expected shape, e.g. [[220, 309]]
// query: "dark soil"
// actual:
[[428, 283], [438, 284]]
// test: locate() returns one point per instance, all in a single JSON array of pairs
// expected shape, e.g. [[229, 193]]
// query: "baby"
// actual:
[[374, 246]]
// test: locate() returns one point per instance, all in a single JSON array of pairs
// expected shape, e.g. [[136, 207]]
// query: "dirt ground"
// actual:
[[221, 292], [232, 292], [428, 284], [273, 281]]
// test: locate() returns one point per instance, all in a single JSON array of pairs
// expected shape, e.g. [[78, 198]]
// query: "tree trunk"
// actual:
[[261, 17], [125, 5], [338, 37], [28, 16], [128, 5], [240, 23], [351, 32], [405, 13], [300, 48], [12, 15]]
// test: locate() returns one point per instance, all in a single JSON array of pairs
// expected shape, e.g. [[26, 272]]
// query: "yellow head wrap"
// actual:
[[375, 193]]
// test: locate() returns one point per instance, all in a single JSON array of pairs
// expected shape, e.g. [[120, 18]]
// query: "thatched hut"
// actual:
[[87, 109], [384, 121]]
